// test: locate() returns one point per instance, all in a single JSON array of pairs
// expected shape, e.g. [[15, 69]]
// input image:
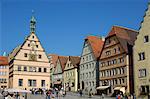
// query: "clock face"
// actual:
[[32, 57]]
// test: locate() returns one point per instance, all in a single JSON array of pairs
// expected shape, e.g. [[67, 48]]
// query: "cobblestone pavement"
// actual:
[[68, 96]]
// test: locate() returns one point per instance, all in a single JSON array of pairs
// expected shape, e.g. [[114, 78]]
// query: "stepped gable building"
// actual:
[[89, 64], [53, 60], [71, 74], [116, 61], [4, 72], [29, 65], [142, 58], [58, 72]]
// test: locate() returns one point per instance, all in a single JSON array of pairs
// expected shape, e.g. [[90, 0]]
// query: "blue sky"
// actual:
[[62, 25]]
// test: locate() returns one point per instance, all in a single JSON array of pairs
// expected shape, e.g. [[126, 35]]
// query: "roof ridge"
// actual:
[[124, 28]]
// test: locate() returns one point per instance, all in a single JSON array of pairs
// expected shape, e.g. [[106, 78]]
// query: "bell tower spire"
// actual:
[[32, 23]]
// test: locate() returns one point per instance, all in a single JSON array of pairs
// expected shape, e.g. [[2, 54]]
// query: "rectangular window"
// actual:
[[34, 83], [37, 46], [142, 56], [20, 82], [115, 50], [146, 39], [25, 68], [83, 76], [31, 83], [90, 57], [122, 80], [25, 54], [40, 56], [107, 53], [42, 83], [34, 69], [142, 73], [39, 70], [19, 68], [116, 81], [86, 58], [30, 69], [45, 70]]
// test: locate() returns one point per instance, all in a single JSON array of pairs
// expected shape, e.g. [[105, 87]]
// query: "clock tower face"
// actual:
[[32, 57]]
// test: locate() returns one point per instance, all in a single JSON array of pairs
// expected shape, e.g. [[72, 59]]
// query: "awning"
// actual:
[[17, 90], [57, 82], [102, 87], [120, 89]]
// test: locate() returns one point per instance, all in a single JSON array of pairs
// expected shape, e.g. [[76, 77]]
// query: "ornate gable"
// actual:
[[31, 49], [58, 68]]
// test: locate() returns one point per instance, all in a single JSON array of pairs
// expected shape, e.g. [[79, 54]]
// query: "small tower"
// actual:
[[32, 24]]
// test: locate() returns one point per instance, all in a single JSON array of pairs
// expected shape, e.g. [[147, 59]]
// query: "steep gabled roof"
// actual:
[[96, 44], [54, 58], [125, 36], [63, 61], [75, 60], [3, 60], [17, 49]]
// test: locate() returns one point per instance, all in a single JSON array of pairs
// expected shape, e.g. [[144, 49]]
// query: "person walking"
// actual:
[[90, 93], [102, 96], [81, 92], [48, 95]]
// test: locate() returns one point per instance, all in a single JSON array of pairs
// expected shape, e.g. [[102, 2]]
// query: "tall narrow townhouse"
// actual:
[[71, 74], [53, 59], [116, 68], [142, 59], [4, 72], [29, 65], [58, 80], [89, 64]]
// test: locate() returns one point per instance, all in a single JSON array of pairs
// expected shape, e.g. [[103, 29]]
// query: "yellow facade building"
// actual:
[[71, 73], [29, 65], [142, 59]]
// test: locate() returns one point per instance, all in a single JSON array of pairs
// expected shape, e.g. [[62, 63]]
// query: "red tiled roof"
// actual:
[[3, 60], [54, 58], [124, 35], [96, 44], [75, 60], [63, 61]]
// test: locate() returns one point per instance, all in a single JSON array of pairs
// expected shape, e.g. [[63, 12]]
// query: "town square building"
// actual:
[[116, 62], [29, 65], [53, 60], [89, 73], [4, 72], [58, 78], [71, 74], [142, 59]]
